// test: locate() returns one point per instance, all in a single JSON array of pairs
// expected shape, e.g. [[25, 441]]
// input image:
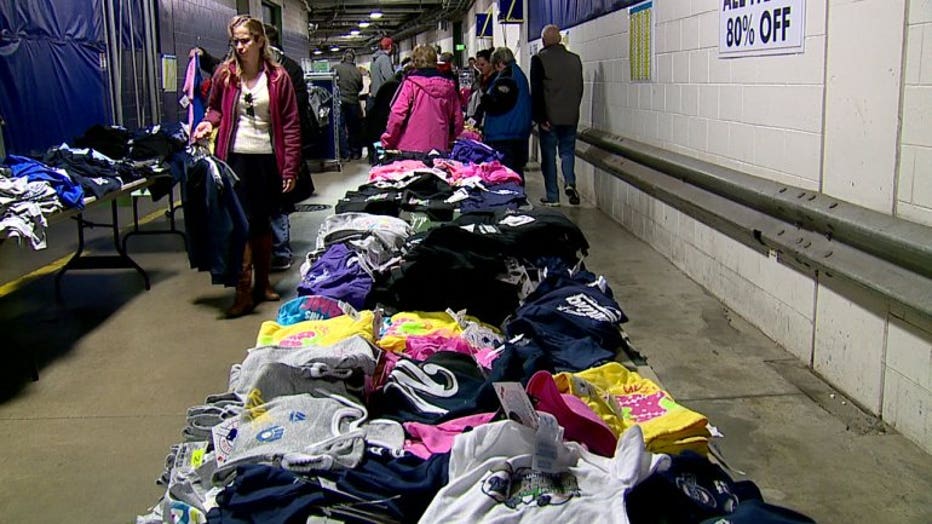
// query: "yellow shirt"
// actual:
[[420, 323], [623, 398], [317, 332]]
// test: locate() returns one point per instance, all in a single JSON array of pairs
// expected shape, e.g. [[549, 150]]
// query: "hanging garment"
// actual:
[[192, 82], [216, 223]]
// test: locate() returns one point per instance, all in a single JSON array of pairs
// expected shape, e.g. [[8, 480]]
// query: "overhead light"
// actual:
[[354, 32], [364, 25], [375, 15], [318, 52], [335, 48]]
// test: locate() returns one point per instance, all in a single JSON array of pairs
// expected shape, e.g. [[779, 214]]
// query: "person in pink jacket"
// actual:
[[426, 113]]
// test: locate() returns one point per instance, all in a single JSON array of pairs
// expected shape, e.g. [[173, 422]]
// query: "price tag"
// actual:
[[547, 445], [516, 403], [184, 102]]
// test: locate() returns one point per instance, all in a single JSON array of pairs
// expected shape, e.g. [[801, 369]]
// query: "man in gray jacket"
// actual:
[[381, 69], [349, 80], [556, 92]]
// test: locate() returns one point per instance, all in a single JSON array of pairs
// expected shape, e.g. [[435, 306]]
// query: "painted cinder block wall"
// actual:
[[851, 117]]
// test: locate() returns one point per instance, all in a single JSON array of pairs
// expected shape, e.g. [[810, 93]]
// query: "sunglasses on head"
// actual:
[[250, 106]]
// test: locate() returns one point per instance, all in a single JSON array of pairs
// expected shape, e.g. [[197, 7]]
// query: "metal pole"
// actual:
[[132, 48], [149, 14], [113, 51], [116, 69], [109, 64]]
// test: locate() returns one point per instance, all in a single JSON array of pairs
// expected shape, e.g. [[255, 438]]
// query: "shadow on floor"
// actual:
[[37, 330]]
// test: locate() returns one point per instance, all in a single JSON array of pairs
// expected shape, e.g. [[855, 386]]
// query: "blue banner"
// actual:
[[568, 13], [52, 83], [510, 11], [483, 25]]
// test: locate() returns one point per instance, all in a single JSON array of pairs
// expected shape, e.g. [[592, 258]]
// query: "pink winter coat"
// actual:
[[426, 113]]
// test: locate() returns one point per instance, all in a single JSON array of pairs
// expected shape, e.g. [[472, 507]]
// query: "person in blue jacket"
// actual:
[[507, 107]]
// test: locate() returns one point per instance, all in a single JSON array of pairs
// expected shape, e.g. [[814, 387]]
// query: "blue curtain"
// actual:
[[52, 85], [567, 13]]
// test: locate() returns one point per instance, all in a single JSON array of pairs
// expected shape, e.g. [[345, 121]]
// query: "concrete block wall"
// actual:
[[295, 41], [914, 183], [764, 116], [184, 24]]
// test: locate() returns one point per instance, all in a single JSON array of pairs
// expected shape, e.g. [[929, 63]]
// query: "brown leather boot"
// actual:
[[243, 303], [262, 258]]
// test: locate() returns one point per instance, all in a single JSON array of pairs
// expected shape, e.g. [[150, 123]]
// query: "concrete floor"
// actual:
[[119, 366]]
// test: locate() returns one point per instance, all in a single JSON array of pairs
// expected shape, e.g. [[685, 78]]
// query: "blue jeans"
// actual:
[[350, 129], [281, 235], [562, 138]]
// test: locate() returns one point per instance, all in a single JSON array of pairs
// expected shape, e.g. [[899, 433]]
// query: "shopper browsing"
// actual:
[[556, 92], [253, 107], [349, 79], [282, 254], [507, 107], [426, 113]]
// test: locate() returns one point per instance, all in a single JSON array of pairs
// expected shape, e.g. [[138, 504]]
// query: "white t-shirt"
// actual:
[[491, 479], [254, 120]]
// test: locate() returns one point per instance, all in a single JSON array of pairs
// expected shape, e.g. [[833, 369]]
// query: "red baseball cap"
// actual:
[[580, 423], [385, 42]]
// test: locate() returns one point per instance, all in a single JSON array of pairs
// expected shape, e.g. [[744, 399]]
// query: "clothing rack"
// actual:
[[325, 103]]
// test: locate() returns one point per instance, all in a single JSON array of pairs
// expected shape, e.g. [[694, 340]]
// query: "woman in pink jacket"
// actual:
[[253, 107], [426, 113]]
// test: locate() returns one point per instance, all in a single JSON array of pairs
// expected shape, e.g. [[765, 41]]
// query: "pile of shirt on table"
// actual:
[[375, 395], [342, 413], [31, 189], [472, 178]]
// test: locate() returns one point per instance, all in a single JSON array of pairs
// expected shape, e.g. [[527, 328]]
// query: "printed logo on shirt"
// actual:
[[380, 451], [297, 416], [688, 484], [414, 382], [582, 305], [526, 487], [271, 434], [225, 438], [304, 338], [517, 220], [642, 408], [255, 406], [318, 308]]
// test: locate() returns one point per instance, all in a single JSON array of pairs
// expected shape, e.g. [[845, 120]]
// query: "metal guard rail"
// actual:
[[805, 230]]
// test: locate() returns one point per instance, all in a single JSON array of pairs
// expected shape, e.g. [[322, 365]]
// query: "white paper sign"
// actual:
[[761, 27]]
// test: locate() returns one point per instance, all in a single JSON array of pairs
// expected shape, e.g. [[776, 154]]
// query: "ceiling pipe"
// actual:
[[451, 9]]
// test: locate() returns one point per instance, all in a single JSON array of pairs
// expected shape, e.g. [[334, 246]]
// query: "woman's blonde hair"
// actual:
[[424, 56], [257, 32]]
